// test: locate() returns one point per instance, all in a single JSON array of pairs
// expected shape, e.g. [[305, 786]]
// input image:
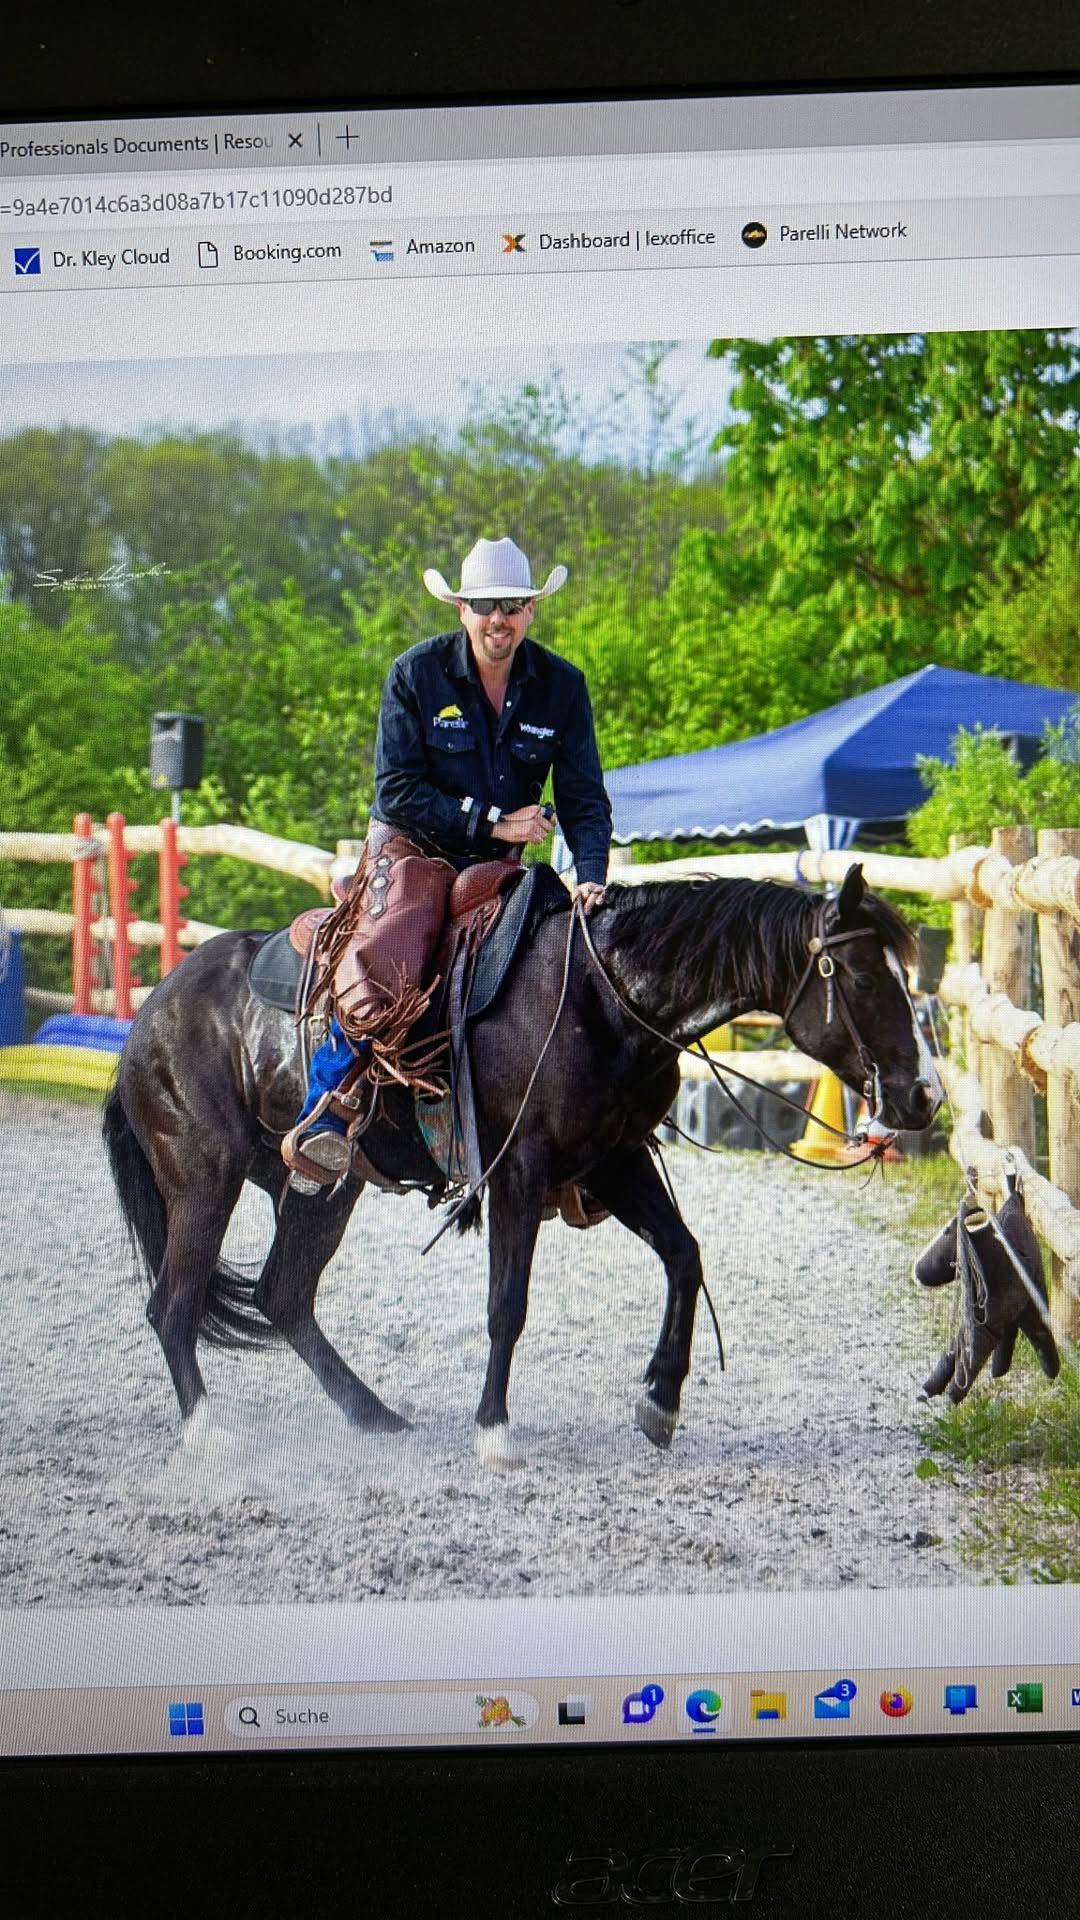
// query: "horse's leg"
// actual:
[[195, 1230], [309, 1233], [513, 1224], [629, 1185]]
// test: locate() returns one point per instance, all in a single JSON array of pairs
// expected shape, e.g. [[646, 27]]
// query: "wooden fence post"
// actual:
[[82, 899], [170, 894], [1007, 968], [1059, 953], [965, 925], [121, 887]]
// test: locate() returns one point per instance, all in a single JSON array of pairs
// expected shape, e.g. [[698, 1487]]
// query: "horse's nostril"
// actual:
[[926, 1093]]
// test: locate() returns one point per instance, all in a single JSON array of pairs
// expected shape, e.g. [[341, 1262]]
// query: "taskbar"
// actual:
[[833, 1703]]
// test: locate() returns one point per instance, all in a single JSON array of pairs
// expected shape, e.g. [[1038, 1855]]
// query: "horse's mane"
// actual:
[[662, 925]]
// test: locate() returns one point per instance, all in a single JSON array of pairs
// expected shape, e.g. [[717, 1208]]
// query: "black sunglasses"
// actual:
[[484, 607]]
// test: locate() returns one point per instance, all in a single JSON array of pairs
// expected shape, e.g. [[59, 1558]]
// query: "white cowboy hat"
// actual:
[[494, 570]]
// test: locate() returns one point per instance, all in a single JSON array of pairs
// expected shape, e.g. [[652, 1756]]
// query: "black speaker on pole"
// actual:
[[176, 751]]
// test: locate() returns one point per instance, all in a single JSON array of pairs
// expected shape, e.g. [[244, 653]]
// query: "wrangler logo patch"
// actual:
[[539, 733]]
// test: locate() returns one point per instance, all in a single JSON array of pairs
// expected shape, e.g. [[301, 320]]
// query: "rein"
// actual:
[[821, 958]]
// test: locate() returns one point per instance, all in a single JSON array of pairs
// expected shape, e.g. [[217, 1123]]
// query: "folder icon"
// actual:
[[767, 1706]]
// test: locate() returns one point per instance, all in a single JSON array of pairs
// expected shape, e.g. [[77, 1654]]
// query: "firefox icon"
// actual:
[[896, 1701]]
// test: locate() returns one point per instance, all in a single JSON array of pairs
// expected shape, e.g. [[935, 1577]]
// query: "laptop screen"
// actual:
[[539, 842]]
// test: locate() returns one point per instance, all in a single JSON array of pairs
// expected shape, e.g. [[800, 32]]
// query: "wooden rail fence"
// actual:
[[1014, 1068]]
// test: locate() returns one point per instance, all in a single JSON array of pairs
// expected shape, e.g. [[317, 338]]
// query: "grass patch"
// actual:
[[1021, 1452], [932, 1190], [1012, 1448], [1040, 1429]]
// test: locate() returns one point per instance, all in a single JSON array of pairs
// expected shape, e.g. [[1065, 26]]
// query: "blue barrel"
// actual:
[[83, 1030], [12, 991]]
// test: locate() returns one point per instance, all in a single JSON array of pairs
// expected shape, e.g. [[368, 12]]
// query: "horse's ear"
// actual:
[[851, 893]]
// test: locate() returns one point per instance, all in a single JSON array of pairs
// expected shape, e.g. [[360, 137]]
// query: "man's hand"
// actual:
[[590, 893], [528, 826]]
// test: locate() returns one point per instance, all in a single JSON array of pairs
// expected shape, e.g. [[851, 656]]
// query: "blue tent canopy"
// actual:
[[851, 766]]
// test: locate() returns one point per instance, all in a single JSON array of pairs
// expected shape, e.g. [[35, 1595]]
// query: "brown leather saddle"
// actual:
[[494, 910]]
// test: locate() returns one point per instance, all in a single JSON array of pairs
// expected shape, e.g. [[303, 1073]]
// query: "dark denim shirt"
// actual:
[[440, 743]]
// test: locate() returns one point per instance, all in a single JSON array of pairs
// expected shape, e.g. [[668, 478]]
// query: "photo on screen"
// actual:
[[867, 541]]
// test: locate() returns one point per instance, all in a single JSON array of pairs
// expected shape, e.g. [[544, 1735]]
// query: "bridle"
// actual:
[[820, 947]]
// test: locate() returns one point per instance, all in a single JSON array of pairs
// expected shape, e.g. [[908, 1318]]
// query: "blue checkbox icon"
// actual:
[[27, 262]]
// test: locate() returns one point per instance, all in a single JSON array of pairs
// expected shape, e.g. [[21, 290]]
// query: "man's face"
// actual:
[[495, 637]]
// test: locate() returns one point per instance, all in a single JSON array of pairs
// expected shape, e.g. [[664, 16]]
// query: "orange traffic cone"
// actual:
[[817, 1143]]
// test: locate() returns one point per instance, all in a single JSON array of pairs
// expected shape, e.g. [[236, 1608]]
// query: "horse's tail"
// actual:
[[142, 1205], [230, 1317]]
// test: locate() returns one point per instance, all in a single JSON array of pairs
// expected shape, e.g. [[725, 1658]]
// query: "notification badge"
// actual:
[[896, 1701]]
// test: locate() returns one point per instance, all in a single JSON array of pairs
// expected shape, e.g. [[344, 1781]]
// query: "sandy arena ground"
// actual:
[[793, 1469]]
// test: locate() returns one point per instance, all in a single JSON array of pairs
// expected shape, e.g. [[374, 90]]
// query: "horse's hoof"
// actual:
[[495, 1449], [384, 1420], [655, 1422]]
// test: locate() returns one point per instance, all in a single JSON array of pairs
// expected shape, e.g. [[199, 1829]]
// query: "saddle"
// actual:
[[493, 911]]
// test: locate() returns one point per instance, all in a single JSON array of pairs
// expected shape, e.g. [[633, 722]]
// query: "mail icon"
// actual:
[[27, 262]]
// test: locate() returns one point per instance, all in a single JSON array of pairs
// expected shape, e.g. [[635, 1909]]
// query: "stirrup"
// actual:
[[316, 1159]]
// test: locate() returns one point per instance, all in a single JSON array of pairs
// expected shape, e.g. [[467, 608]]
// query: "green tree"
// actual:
[[894, 493], [984, 787], [1038, 630]]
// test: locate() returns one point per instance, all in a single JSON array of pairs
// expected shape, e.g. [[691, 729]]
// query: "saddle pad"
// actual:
[[274, 971], [538, 893]]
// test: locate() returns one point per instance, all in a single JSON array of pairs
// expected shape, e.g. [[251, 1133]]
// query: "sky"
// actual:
[[344, 398]]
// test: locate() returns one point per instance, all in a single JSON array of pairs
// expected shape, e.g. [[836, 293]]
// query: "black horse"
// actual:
[[210, 1078]]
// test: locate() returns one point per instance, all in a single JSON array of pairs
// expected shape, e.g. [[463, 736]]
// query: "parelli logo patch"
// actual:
[[673, 1876]]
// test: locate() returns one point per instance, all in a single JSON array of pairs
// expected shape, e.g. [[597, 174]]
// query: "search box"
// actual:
[[367, 1716]]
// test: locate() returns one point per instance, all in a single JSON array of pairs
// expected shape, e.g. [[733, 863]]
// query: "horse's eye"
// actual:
[[865, 983]]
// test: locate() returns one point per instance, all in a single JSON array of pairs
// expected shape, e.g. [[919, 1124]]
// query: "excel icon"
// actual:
[[1026, 1698]]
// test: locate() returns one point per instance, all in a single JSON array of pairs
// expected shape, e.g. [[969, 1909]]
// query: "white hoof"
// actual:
[[495, 1449]]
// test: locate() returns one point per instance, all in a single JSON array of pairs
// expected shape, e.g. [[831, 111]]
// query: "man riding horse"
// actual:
[[470, 725]]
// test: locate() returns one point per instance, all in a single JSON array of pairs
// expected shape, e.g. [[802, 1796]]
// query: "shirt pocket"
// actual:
[[451, 739], [530, 752]]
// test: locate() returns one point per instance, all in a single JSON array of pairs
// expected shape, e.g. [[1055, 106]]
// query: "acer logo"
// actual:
[[673, 1876]]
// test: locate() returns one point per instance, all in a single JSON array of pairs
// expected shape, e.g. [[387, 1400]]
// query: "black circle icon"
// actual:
[[754, 234]]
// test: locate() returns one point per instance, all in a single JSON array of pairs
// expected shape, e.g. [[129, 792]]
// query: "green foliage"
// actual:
[[873, 504], [891, 495], [984, 787], [1024, 1427], [1038, 630]]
